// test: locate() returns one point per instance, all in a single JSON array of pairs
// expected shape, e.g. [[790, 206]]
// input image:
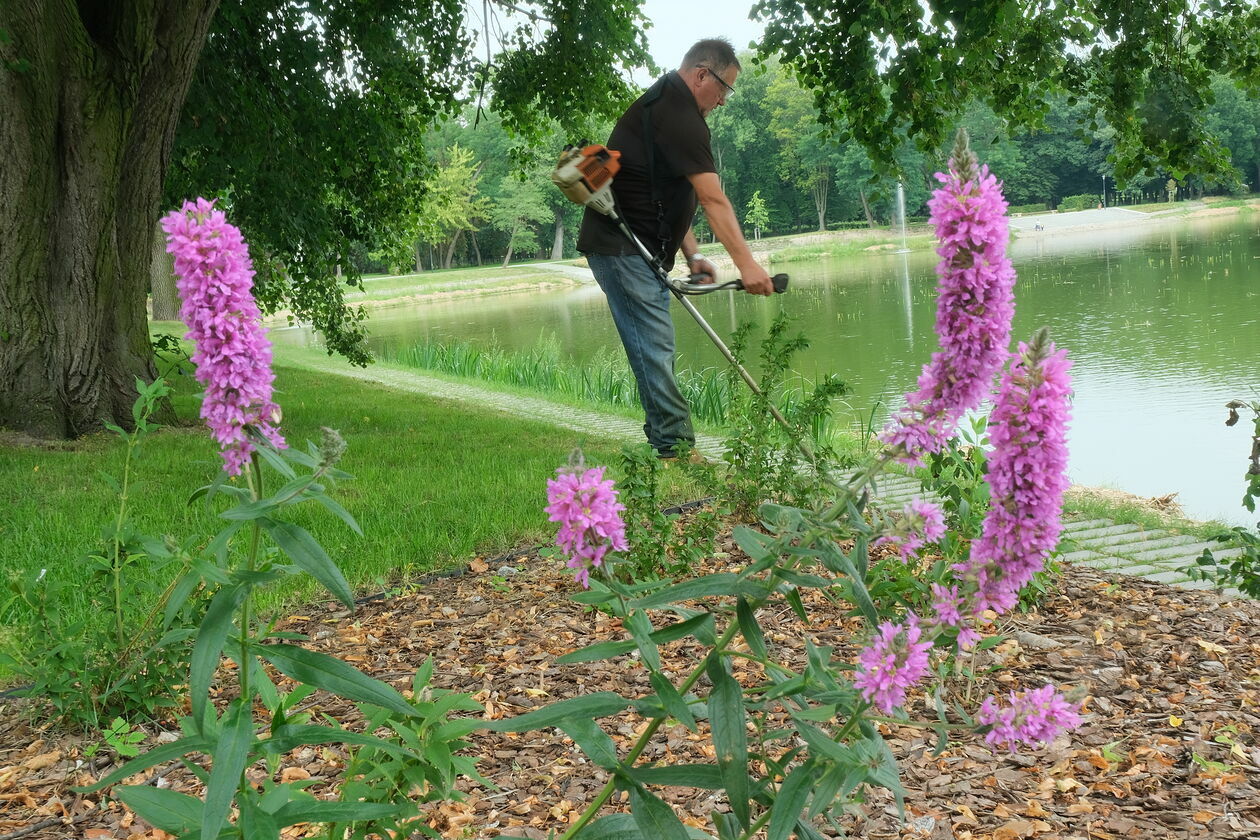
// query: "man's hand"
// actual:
[[755, 278], [702, 271]]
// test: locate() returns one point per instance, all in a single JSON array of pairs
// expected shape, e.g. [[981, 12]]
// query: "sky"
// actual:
[[677, 24]]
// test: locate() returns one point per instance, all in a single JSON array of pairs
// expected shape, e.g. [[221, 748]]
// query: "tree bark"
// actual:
[[91, 96], [508, 257], [162, 290], [450, 249], [822, 187], [472, 234], [866, 208], [557, 242]]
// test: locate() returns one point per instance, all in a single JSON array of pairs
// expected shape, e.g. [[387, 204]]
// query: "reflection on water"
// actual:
[[1161, 323]]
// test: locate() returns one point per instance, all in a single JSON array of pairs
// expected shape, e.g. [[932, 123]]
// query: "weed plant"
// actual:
[[120, 656], [765, 460]]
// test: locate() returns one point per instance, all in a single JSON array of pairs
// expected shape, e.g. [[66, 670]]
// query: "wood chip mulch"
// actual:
[[1169, 748]]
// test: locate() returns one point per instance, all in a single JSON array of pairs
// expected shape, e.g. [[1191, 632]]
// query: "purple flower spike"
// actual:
[[1033, 718], [920, 523], [1027, 476], [585, 504], [973, 312], [893, 661], [233, 355]]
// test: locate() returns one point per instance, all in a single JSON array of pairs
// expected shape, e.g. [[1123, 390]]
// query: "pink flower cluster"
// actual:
[[920, 523], [1034, 717], [894, 660], [585, 504], [1027, 476], [233, 354], [973, 311]]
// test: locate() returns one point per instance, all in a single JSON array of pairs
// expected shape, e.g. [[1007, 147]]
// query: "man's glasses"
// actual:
[[730, 91]]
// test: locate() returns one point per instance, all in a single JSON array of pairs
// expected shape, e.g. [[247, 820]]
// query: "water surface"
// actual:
[[1161, 321]]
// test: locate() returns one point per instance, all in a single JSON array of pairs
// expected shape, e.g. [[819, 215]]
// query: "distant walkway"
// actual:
[[1097, 218], [1099, 543]]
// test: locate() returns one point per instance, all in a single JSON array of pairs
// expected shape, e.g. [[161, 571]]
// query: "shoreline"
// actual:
[[1028, 228]]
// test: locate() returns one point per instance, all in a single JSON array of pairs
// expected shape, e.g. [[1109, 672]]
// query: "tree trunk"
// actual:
[[866, 208], [472, 234], [508, 257], [450, 249], [91, 100], [419, 258], [165, 295], [557, 243], [822, 187]]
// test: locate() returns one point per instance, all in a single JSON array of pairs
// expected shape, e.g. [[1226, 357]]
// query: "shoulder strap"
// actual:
[[650, 98]]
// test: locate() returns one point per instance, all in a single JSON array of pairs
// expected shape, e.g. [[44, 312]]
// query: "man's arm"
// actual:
[[721, 216]]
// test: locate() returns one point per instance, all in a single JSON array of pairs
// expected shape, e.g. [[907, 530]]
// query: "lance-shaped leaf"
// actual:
[[730, 737], [334, 676], [589, 706]]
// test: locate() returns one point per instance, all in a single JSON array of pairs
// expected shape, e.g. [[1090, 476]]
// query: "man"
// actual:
[[659, 210]]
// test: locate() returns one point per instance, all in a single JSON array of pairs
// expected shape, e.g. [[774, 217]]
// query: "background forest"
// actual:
[[486, 197]]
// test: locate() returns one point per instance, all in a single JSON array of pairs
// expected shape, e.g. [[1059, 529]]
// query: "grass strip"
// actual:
[[435, 483]]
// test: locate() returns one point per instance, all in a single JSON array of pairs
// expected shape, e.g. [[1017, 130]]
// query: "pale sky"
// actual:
[[677, 24]]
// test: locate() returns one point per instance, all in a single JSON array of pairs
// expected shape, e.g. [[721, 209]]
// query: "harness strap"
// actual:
[[650, 98]]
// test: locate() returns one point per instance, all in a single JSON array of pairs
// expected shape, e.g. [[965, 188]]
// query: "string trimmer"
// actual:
[[585, 176]]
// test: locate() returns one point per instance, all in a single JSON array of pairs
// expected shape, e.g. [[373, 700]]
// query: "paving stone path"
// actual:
[[1100, 543]]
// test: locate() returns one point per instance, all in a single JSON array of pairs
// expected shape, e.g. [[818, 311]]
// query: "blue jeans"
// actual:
[[640, 308]]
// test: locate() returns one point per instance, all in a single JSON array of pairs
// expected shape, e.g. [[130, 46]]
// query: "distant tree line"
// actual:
[[488, 198]]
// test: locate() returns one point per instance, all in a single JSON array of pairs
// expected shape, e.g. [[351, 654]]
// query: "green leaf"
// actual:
[[596, 652], [855, 585], [750, 629], [793, 597], [654, 818], [593, 740], [337, 510], [316, 811], [333, 675], [290, 736], [704, 776], [209, 647], [231, 754], [612, 827], [302, 548], [256, 822], [152, 758], [673, 702], [803, 580], [724, 583], [754, 543], [600, 704], [730, 737], [174, 813], [640, 628], [790, 801], [699, 625], [271, 456], [249, 511]]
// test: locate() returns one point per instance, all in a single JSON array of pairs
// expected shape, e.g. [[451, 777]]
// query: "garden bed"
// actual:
[[1168, 749]]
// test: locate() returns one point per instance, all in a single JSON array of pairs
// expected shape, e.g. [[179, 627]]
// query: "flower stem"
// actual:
[[120, 631], [641, 744], [253, 474]]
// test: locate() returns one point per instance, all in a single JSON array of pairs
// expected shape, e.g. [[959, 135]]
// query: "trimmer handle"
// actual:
[[780, 282]]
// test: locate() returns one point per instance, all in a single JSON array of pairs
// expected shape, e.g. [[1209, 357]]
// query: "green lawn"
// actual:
[[481, 279], [435, 483]]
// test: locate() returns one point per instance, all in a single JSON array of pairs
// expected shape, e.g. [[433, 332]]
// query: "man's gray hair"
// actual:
[[715, 53]]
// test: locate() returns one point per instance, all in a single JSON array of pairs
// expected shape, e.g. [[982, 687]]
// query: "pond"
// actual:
[[1162, 320]]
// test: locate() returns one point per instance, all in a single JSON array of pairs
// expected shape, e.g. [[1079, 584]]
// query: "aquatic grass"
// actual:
[[605, 380]]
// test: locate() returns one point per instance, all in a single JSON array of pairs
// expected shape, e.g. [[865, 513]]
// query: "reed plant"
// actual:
[[602, 381]]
